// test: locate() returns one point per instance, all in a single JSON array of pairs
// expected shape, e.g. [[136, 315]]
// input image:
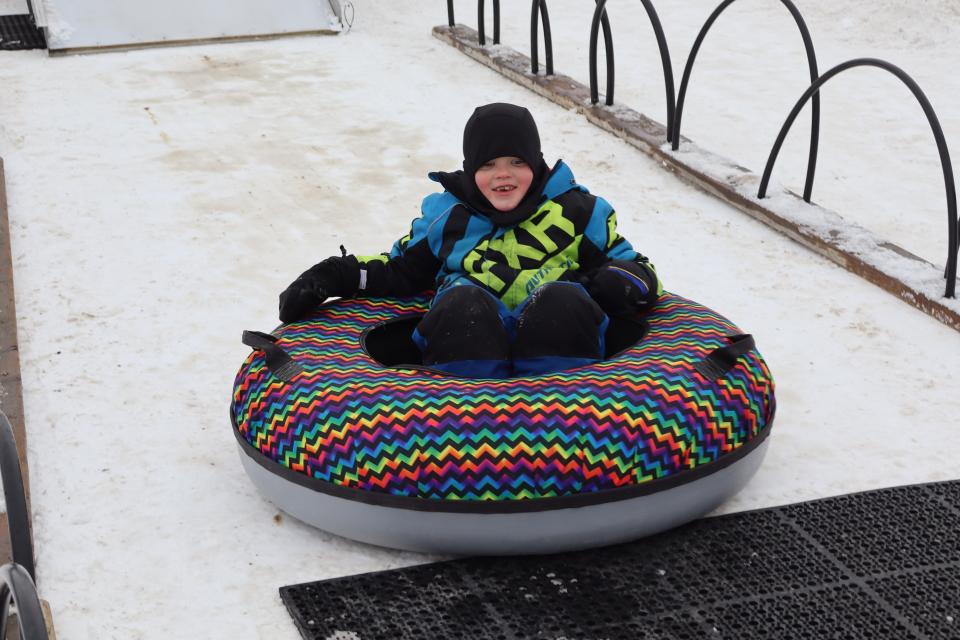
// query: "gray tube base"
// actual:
[[534, 532]]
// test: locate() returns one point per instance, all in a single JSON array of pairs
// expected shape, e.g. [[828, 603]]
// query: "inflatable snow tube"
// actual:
[[656, 435]]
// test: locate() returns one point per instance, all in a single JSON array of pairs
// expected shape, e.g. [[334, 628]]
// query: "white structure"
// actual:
[[86, 24], [13, 7]]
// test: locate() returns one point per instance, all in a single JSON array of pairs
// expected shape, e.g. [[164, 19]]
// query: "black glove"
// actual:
[[336, 276], [297, 302], [624, 287]]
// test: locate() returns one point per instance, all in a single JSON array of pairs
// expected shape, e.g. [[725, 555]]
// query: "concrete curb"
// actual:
[[849, 245]]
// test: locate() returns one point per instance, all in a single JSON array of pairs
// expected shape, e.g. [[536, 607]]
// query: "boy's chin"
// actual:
[[506, 207]]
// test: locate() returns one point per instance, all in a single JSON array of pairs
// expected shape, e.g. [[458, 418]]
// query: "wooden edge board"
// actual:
[[855, 248], [111, 48], [11, 388]]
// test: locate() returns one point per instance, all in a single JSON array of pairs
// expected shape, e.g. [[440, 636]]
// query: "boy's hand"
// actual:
[[623, 287], [297, 301], [337, 276]]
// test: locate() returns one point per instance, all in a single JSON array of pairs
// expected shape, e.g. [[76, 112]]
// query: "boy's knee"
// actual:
[[466, 300], [463, 324], [560, 318], [561, 300]]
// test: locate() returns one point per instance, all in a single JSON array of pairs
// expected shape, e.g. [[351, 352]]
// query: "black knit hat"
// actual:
[[500, 129], [496, 130]]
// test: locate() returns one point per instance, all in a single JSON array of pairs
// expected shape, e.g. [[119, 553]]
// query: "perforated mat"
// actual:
[[880, 564], [20, 32]]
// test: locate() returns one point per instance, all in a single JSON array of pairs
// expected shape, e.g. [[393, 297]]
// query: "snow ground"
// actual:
[[160, 200]]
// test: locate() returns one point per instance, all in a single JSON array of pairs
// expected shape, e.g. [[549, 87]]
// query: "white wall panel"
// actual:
[[99, 23], [13, 7]]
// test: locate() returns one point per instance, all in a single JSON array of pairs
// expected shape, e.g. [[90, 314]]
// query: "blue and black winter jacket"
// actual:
[[571, 233]]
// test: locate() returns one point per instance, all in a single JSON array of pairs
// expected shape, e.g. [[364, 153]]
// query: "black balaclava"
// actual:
[[496, 130]]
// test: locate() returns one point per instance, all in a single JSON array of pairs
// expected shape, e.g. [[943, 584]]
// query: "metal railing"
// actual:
[[811, 63], [17, 578], [17, 588], [538, 13], [18, 519], [953, 240], [676, 103], [598, 13], [482, 21]]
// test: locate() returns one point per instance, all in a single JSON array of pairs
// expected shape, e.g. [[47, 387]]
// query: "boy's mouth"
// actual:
[[504, 189]]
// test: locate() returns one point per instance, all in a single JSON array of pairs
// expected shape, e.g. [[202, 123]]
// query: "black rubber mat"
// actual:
[[19, 32], [880, 564]]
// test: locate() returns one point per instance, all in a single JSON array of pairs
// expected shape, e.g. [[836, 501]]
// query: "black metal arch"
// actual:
[[18, 518], [953, 240], [17, 577], [18, 587], [539, 9], [482, 22], [600, 13], [814, 73], [664, 59]]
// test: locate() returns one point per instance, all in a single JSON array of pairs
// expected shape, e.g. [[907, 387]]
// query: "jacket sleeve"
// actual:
[[603, 243], [409, 268]]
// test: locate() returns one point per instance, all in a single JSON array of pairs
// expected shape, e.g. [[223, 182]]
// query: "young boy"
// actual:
[[527, 264]]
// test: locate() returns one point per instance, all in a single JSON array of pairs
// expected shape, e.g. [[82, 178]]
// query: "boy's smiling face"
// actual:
[[504, 181]]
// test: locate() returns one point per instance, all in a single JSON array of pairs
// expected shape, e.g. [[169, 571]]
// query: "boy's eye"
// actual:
[[517, 162]]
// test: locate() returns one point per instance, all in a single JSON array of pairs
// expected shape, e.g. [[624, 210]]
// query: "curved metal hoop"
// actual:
[[481, 24], [481, 21], [18, 518], [600, 14], [664, 59], [450, 20], [540, 8], [17, 586], [952, 238], [814, 73]]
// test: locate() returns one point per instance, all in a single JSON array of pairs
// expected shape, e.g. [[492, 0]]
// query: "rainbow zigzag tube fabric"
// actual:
[[637, 418]]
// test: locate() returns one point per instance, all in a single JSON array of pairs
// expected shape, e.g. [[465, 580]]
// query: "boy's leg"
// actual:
[[558, 327], [463, 333]]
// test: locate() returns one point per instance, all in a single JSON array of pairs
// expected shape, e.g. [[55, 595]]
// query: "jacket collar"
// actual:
[[559, 181]]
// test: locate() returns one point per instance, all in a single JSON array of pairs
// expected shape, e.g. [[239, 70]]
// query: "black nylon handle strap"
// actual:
[[279, 361], [722, 359]]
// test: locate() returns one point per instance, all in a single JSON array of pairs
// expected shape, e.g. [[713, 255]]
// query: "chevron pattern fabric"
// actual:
[[639, 417]]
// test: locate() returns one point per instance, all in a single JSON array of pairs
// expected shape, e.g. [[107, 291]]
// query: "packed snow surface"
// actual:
[[161, 199]]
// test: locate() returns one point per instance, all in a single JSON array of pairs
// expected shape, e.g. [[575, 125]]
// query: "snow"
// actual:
[[161, 199]]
